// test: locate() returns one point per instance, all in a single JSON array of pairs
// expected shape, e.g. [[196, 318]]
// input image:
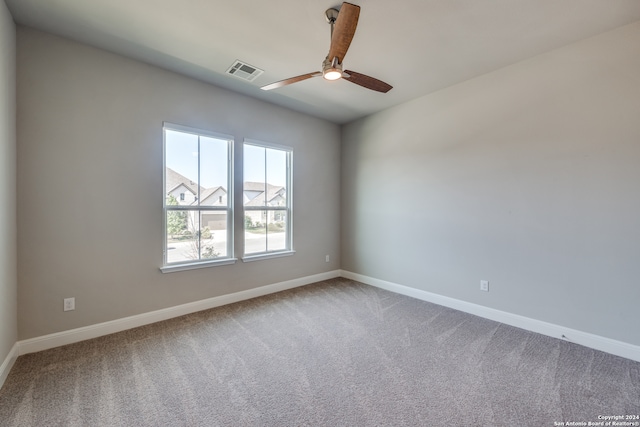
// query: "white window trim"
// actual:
[[289, 250], [229, 209], [172, 268], [267, 255]]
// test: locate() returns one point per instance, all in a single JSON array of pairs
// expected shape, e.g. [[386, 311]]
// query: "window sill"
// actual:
[[259, 257], [196, 265]]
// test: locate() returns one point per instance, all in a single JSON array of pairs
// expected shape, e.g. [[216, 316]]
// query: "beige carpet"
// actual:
[[336, 353]]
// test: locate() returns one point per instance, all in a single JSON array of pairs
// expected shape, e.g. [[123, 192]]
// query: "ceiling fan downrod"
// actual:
[[331, 15]]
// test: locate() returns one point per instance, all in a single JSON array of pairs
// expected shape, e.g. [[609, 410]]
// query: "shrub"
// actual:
[[206, 233], [275, 226], [248, 222]]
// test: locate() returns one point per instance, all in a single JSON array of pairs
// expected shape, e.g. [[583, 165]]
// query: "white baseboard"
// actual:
[[93, 331], [596, 342], [8, 364]]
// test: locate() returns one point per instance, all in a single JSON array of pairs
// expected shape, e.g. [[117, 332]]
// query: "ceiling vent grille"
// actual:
[[244, 71]]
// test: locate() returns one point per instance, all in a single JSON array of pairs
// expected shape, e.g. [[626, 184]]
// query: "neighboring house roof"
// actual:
[[274, 193], [210, 192], [171, 190], [173, 180], [256, 186]]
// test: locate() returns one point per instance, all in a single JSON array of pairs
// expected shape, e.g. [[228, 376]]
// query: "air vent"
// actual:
[[244, 71]]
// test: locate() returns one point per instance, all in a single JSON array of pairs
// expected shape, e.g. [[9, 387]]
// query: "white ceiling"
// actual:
[[417, 46]]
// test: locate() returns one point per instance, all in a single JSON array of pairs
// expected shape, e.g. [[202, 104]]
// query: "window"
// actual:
[[267, 200], [198, 198]]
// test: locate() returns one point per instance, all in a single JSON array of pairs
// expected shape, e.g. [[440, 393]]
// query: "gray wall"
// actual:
[[8, 262], [527, 177], [90, 185]]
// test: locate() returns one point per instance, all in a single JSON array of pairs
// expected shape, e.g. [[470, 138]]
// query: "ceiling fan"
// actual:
[[343, 27]]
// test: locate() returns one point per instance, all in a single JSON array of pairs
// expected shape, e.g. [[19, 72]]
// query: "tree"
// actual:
[[201, 245], [176, 220], [248, 222]]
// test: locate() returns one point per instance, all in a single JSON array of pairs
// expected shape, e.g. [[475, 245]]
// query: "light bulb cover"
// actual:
[[332, 74], [331, 70]]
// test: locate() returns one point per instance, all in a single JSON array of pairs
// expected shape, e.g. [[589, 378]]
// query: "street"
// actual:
[[254, 243]]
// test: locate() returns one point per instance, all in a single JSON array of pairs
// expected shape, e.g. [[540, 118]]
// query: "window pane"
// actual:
[[181, 168], [267, 174], [213, 237], [254, 187], [194, 235], [276, 231], [197, 167], [182, 236], [255, 237], [213, 171], [276, 177]]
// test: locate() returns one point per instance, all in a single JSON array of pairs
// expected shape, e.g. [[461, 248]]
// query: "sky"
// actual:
[[181, 154]]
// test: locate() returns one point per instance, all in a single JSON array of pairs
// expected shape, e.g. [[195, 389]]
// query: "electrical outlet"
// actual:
[[326, 258], [69, 304], [484, 285]]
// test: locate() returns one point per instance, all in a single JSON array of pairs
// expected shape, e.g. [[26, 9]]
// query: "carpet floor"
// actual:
[[335, 353]]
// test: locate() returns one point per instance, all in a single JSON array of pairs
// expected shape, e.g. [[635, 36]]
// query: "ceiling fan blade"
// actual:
[[366, 81], [343, 31], [291, 80]]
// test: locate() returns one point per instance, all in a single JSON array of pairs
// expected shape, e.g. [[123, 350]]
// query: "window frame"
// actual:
[[288, 209], [229, 209]]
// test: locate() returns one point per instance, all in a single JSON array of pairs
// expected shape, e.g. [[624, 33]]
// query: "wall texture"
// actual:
[[90, 185], [8, 261], [526, 177]]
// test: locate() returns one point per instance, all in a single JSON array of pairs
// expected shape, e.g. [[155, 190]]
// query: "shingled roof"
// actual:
[[173, 180], [273, 192]]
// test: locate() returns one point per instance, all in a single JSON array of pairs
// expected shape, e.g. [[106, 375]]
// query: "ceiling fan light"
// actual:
[[331, 70], [332, 74]]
